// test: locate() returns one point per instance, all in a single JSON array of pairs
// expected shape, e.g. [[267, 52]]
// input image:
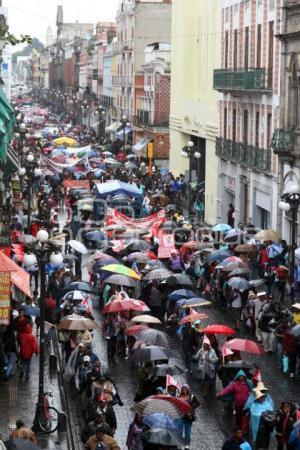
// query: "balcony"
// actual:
[[283, 143], [122, 47], [122, 80], [244, 154], [243, 80]]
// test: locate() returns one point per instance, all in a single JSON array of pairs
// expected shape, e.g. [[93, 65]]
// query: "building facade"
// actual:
[[248, 82], [194, 113]]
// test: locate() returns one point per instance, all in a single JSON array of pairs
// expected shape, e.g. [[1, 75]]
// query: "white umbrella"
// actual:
[[78, 246], [145, 318]]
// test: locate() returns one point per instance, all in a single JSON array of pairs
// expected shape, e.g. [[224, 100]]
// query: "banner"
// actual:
[[149, 223], [4, 298], [166, 245], [60, 167]]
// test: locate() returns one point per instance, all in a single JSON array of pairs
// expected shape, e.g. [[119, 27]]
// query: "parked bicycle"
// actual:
[[49, 416]]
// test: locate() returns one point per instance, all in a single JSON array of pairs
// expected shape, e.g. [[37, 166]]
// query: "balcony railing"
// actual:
[[283, 143], [122, 80], [244, 154], [243, 80], [122, 47]]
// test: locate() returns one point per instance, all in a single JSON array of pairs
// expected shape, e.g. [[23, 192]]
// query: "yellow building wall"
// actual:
[[195, 54]]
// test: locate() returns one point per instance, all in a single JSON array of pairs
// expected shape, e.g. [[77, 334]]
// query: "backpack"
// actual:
[[282, 273]]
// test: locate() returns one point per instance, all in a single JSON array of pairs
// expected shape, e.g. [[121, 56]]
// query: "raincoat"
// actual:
[[256, 410], [239, 390]]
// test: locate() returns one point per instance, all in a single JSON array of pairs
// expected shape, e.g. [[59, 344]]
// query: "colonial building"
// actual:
[[248, 82], [194, 115]]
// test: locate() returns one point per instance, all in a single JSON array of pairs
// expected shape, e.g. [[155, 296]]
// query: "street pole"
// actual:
[[190, 183], [29, 179], [292, 258], [124, 136]]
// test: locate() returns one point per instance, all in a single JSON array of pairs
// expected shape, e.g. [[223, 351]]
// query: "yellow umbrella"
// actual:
[[70, 142], [122, 270]]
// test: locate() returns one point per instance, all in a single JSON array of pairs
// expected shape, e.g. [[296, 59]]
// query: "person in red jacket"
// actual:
[[289, 348], [28, 346]]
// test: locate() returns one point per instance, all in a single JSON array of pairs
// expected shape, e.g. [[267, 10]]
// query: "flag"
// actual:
[[226, 351], [206, 340], [170, 381], [257, 375]]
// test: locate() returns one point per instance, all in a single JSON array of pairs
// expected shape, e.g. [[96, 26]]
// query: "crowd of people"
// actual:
[[158, 299]]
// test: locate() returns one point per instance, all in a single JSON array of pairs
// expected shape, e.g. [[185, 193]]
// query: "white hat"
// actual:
[[296, 306], [86, 358], [261, 294]]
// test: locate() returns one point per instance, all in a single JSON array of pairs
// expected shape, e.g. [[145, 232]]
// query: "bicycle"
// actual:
[[49, 416]]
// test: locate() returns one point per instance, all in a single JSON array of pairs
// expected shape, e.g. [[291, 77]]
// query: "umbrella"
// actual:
[[245, 345], [121, 270], [107, 153], [184, 406], [150, 336], [150, 406], [74, 295], [235, 265], [239, 365], [132, 331], [218, 255], [151, 353], [120, 280], [267, 235], [124, 305], [239, 283], [233, 235], [115, 227], [163, 437], [229, 260], [160, 420], [137, 245], [219, 329], [169, 225], [295, 331], [146, 318], [193, 302], [158, 274], [193, 317], [26, 238], [162, 370], [274, 250], [246, 248], [222, 228], [181, 279], [86, 207], [21, 444], [96, 236], [65, 140], [238, 271], [78, 246], [75, 322], [80, 286], [257, 283], [181, 293]]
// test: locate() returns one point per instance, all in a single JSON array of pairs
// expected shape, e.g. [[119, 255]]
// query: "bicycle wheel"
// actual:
[[48, 420]]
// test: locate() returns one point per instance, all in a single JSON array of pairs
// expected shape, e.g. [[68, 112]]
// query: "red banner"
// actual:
[[4, 297], [166, 245], [150, 223]]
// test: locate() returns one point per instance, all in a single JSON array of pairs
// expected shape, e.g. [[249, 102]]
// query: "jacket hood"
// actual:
[[240, 373]]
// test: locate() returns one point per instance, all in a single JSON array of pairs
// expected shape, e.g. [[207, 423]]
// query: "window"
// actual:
[[257, 129], [271, 5], [271, 51], [225, 124], [258, 46], [245, 127], [226, 48], [246, 54], [235, 49], [234, 125], [269, 125]]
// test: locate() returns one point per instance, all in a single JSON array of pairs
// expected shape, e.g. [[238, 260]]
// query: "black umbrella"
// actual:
[[21, 444], [151, 353], [162, 370], [79, 286], [120, 280], [180, 279], [136, 245], [239, 365], [163, 437], [169, 225]]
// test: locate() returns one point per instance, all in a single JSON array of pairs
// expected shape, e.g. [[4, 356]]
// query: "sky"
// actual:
[[34, 16]]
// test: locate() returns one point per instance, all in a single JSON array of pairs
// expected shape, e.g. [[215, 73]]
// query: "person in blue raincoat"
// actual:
[[260, 404]]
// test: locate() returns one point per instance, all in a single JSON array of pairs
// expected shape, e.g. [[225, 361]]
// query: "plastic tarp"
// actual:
[[113, 126], [120, 134], [140, 145], [116, 187]]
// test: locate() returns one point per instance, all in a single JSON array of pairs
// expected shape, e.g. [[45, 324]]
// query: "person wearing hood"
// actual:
[[188, 419], [240, 389], [260, 404], [207, 365], [236, 441], [28, 346]]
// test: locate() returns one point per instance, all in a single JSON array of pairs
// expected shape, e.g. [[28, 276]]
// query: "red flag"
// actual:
[[226, 351], [206, 340], [257, 375], [170, 381]]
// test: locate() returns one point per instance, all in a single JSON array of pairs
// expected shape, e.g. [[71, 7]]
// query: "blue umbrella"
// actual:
[[181, 293], [96, 236], [274, 250], [160, 420], [239, 283], [195, 301], [222, 228], [218, 255]]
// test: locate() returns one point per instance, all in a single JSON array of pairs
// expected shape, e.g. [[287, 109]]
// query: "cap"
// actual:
[[259, 394], [261, 294], [260, 387], [81, 345], [86, 358], [296, 306]]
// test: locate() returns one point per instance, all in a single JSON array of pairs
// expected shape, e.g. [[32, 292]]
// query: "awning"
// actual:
[[19, 277], [140, 145], [113, 127], [11, 163], [116, 187], [120, 133]]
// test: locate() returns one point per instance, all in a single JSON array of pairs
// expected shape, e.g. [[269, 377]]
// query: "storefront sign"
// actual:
[[4, 298]]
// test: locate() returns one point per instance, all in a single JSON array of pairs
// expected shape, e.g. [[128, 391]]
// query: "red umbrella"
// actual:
[[219, 329], [193, 317], [245, 345], [124, 305], [131, 331], [184, 406]]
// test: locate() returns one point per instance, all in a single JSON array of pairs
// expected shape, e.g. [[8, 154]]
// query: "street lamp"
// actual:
[[42, 251], [100, 112], [290, 202], [85, 108], [31, 170], [124, 123], [189, 151]]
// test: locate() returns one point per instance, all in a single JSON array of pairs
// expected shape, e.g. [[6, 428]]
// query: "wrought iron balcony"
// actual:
[[122, 80], [245, 80], [244, 154], [283, 143]]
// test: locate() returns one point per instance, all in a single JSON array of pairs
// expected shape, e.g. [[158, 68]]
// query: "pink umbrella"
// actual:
[[245, 345]]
